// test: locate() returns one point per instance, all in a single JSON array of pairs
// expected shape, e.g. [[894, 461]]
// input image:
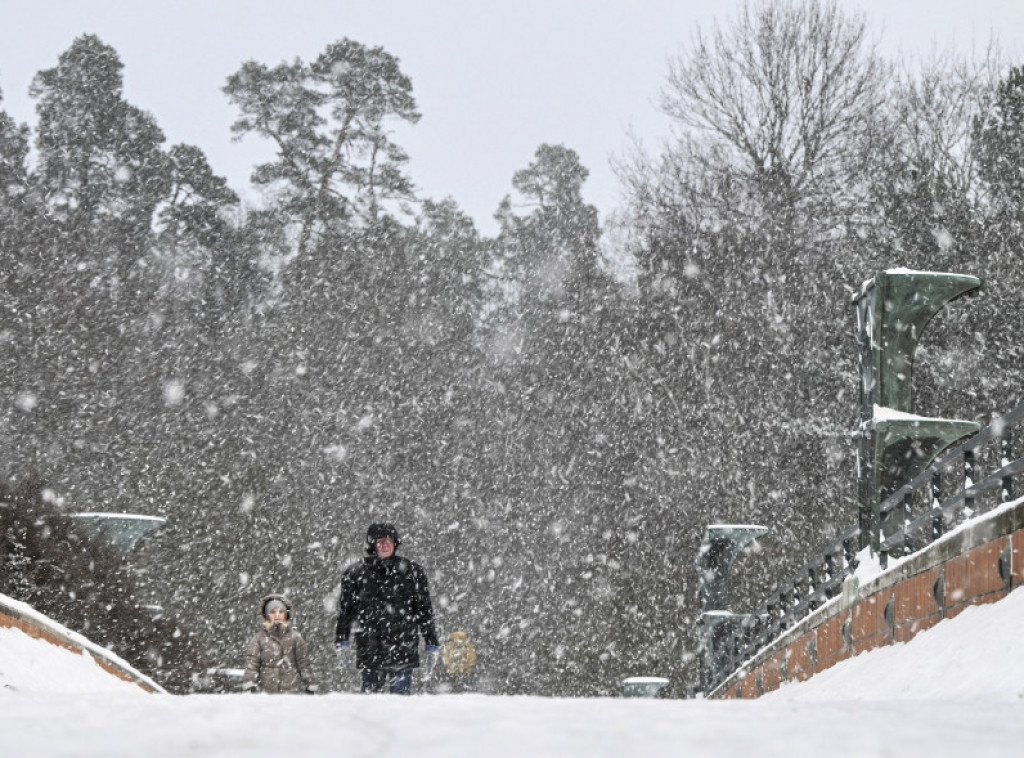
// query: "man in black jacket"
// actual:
[[385, 606]]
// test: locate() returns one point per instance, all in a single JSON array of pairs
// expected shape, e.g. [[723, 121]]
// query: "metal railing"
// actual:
[[954, 489], [817, 582], [951, 491]]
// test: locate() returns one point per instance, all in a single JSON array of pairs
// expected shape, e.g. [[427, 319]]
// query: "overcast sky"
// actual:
[[493, 79]]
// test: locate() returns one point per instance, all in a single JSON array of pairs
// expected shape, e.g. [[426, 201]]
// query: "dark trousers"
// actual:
[[395, 682]]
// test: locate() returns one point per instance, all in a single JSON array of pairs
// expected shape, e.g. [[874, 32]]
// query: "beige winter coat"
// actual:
[[277, 659]]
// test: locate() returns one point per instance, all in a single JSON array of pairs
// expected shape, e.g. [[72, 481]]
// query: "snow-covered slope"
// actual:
[[977, 656], [29, 664]]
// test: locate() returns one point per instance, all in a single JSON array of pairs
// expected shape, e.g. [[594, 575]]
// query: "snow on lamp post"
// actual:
[[893, 309]]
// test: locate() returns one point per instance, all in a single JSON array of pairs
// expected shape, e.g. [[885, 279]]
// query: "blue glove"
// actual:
[[344, 649], [432, 649]]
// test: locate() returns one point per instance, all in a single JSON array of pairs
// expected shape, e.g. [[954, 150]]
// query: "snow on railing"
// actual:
[[817, 582], [953, 490]]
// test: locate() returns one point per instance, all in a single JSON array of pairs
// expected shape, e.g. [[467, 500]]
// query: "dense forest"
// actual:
[[551, 439]]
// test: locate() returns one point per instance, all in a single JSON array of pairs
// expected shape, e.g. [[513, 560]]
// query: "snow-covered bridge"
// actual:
[[957, 689]]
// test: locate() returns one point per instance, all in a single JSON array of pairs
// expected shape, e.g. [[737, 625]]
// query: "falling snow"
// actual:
[[550, 414]]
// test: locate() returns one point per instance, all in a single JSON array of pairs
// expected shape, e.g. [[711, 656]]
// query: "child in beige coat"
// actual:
[[277, 659]]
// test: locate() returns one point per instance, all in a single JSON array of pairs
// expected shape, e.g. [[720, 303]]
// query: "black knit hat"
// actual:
[[376, 532]]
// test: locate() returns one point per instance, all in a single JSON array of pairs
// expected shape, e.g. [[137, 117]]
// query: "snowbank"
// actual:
[[65, 663], [28, 664]]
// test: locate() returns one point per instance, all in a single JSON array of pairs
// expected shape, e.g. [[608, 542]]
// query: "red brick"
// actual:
[[831, 660], [799, 661], [991, 597], [974, 573], [915, 598], [771, 672], [868, 617], [110, 668], [830, 640], [749, 688], [879, 640], [907, 632]]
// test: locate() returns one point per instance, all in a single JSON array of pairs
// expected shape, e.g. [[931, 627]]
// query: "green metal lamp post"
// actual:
[[121, 531], [719, 548], [893, 309]]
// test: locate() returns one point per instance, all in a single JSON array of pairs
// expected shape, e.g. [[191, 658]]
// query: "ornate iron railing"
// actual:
[[949, 492], [954, 489], [817, 582]]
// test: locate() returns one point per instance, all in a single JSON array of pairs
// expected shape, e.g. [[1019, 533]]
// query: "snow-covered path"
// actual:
[[474, 725], [956, 690]]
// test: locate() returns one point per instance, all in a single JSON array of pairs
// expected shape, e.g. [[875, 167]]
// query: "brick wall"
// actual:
[[895, 612]]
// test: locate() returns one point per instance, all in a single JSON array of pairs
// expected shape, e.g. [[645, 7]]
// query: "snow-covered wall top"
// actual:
[[97, 668]]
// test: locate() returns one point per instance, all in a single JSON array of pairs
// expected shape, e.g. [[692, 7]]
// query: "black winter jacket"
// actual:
[[385, 605]]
